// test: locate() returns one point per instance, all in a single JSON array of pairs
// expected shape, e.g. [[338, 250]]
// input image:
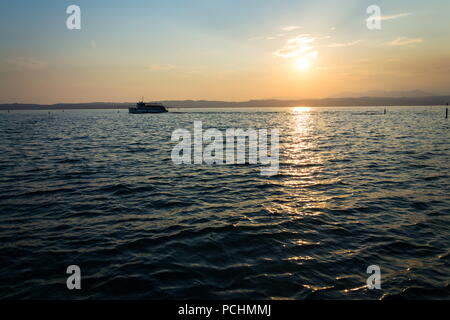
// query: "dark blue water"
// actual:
[[98, 189]]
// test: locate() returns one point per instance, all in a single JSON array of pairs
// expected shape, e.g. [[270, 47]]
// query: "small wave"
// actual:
[[123, 189]]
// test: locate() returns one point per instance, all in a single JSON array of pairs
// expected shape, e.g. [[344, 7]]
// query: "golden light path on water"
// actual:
[[303, 167], [301, 109], [300, 165]]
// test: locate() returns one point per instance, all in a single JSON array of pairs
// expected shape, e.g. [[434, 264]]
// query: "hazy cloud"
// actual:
[[275, 36], [395, 16], [344, 44], [290, 28], [403, 41], [159, 67], [296, 46], [26, 63]]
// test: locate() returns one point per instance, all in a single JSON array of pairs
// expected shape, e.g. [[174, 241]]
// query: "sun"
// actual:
[[303, 64]]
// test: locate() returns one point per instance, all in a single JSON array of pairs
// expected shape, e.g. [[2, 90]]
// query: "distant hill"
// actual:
[[327, 102], [273, 103], [384, 94]]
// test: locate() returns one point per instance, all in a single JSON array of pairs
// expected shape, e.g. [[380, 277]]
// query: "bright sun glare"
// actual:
[[301, 109], [303, 64]]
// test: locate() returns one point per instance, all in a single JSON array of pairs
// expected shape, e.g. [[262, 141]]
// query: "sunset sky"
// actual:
[[220, 49]]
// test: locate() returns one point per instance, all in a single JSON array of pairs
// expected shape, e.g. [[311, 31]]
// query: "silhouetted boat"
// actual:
[[142, 107]]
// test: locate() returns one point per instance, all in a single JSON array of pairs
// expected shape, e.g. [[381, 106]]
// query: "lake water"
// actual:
[[98, 189]]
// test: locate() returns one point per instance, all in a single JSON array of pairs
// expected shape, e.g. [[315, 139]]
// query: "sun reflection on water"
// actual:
[[300, 170], [301, 109]]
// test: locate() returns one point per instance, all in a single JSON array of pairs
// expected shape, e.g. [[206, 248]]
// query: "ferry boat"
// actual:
[[142, 107]]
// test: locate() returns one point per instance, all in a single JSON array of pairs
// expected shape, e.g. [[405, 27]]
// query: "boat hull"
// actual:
[[140, 111]]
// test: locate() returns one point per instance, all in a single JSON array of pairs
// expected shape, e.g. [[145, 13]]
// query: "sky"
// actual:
[[229, 50]]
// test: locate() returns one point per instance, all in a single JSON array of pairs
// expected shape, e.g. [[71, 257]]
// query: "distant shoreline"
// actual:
[[327, 102]]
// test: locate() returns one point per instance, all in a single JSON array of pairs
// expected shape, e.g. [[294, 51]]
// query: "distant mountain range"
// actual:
[[431, 100], [384, 94]]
